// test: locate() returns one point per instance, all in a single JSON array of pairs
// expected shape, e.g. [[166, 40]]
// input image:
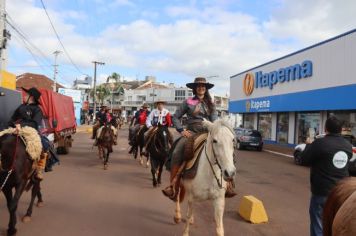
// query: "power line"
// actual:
[[55, 31]]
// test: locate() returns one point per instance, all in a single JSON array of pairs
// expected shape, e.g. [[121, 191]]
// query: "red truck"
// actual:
[[59, 120]]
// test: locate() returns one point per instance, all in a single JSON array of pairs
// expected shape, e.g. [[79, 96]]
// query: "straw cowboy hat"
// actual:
[[145, 105], [34, 93], [160, 100], [199, 80]]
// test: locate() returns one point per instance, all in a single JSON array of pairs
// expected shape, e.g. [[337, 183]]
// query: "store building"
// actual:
[[290, 98]]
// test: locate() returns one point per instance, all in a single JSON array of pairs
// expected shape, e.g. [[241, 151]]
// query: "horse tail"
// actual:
[[337, 197]]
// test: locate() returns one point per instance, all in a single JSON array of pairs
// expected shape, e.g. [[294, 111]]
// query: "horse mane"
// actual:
[[218, 124], [336, 198]]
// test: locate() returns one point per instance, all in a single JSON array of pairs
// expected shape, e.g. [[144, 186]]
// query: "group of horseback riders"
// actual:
[[196, 109], [103, 116]]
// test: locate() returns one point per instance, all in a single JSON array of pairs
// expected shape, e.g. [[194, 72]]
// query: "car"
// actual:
[[298, 150], [248, 138]]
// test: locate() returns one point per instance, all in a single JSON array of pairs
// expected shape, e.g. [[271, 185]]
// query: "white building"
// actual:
[[174, 96]]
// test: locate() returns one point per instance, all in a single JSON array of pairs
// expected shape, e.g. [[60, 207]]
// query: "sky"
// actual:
[[175, 40]]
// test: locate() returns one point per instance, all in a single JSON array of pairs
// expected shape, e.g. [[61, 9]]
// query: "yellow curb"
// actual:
[[252, 210]]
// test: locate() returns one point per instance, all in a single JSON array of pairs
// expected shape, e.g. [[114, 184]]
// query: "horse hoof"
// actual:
[[141, 162], [147, 165], [26, 219], [177, 220], [40, 204], [105, 167], [11, 232]]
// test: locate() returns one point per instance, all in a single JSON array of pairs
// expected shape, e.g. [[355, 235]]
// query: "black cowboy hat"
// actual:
[[199, 80], [33, 92]]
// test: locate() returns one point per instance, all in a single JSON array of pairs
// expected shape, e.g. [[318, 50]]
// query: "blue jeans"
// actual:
[[316, 212]]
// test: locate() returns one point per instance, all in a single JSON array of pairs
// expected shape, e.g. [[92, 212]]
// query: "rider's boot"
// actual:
[[230, 189], [41, 164], [172, 190]]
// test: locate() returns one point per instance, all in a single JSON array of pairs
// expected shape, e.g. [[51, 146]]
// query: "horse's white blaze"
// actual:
[[204, 186]]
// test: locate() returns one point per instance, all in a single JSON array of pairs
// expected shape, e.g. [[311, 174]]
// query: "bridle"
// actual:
[[216, 163]]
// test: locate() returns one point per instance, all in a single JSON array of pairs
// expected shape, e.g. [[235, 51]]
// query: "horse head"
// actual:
[[107, 134], [221, 142], [162, 137]]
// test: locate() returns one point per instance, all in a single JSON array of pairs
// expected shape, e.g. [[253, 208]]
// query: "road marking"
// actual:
[[278, 153]]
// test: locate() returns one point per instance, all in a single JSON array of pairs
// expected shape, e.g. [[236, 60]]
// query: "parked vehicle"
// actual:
[[298, 150], [248, 138]]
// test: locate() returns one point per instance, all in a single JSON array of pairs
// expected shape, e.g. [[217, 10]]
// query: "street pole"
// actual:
[[95, 63], [55, 70]]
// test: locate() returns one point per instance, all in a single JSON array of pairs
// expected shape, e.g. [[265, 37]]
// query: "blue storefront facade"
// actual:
[[290, 98]]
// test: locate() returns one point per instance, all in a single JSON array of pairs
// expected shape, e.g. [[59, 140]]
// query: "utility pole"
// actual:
[[95, 63], [55, 70], [4, 37]]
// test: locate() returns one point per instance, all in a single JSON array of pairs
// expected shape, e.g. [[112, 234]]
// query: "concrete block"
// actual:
[[252, 210]]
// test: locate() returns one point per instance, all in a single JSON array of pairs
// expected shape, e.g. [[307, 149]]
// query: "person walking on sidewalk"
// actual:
[[328, 158]]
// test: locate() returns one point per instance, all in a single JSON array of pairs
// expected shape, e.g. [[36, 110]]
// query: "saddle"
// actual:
[[193, 149]]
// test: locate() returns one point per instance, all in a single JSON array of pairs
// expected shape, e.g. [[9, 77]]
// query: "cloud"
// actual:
[[311, 21], [192, 41]]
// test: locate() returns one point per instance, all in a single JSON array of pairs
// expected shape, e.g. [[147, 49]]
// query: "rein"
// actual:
[[12, 164], [211, 166]]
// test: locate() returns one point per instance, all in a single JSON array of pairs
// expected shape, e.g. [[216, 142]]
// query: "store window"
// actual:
[[282, 127], [308, 125], [179, 95], [265, 125], [348, 119], [249, 120]]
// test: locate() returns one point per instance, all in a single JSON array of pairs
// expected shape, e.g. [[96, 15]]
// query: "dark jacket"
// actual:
[[196, 111], [328, 158], [27, 115], [101, 117]]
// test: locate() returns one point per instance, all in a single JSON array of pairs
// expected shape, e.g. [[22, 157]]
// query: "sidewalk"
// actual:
[[275, 148]]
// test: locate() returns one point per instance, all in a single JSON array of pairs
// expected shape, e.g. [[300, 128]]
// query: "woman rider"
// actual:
[[197, 108]]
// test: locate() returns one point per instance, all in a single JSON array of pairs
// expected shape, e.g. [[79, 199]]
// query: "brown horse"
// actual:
[[105, 143], [158, 149], [17, 173], [339, 215]]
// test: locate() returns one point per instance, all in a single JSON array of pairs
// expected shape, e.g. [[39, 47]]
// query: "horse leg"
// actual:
[[219, 205], [189, 218], [39, 196], [12, 206], [35, 190], [178, 215], [106, 158], [160, 173], [12, 221], [148, 161], [153, 172]]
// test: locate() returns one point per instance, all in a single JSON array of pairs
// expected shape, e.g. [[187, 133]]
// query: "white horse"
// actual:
[[216, 166]]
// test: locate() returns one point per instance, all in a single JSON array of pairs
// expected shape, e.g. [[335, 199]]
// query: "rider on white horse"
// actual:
[[197, 108]]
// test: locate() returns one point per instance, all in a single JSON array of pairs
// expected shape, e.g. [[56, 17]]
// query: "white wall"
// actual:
[[333, 64]]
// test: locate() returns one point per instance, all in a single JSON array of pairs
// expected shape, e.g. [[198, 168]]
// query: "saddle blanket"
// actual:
[[192, 165], [31, 139]]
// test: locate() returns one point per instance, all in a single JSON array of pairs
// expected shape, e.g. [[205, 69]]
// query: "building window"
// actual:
[[179, 95], [348, 119], [265, 125], [248, 120], [308, 124], [282, 127]]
